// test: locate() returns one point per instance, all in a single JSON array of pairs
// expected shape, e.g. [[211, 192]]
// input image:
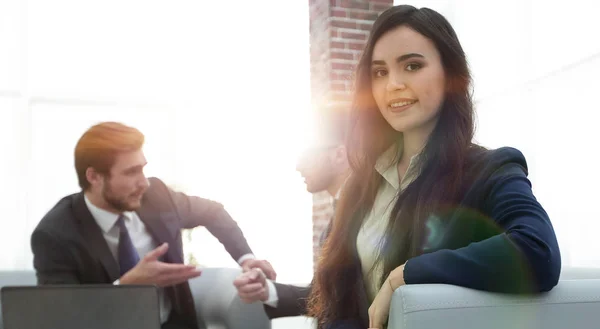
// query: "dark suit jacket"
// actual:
[[291, 301], [69, 248], [496, 238]]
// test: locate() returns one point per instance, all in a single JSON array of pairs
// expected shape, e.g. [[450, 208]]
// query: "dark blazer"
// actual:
[[69, 248], [291, 301], [496, 238]]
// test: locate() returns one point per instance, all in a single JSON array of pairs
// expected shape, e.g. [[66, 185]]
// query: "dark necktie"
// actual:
[[128, 256]]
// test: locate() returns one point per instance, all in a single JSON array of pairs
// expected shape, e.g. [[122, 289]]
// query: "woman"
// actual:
[[424, 203]]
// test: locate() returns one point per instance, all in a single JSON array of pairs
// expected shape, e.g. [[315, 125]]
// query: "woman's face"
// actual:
[[408, 80]]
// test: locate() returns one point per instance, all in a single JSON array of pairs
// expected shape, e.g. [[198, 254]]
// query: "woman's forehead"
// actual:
[[401, 41]]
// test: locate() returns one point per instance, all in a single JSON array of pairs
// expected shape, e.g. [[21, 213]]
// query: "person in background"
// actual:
[[123, 228], [324, 167], [424, 203]]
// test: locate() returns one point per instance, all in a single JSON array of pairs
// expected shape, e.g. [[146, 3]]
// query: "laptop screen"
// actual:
[[80, 307]]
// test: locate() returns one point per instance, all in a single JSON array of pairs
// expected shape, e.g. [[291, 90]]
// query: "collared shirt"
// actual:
[[142, 241], [141, 238], [370, 236]]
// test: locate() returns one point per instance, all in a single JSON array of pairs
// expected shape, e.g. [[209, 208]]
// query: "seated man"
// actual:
[[324, 168], [123, 228]]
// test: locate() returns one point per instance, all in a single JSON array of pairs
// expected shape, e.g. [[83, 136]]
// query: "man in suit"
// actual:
[[123, 228], [324, 167]]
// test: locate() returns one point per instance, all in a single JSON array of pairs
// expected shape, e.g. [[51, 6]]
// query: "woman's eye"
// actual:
[[379, 73], [413, 66]]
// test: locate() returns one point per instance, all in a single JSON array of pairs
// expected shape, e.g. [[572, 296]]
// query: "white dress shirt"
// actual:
[[142, 241], [371, 234], [141, 238]]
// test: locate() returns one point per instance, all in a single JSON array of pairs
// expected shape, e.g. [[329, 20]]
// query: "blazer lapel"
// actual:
[[93, 238], [164, 227]]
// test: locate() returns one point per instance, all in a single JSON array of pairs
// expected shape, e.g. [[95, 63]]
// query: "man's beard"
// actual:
[[119, 204]]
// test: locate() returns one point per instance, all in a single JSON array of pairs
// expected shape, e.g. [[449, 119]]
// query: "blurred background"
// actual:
[[228, 93]]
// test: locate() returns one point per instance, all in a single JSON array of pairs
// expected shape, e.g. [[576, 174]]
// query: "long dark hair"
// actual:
[[335, 291]]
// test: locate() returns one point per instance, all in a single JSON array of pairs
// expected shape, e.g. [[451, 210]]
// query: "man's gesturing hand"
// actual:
[[150, 270]]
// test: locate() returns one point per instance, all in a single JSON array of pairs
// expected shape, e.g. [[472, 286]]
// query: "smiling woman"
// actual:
[[405, 58], [424, 203]]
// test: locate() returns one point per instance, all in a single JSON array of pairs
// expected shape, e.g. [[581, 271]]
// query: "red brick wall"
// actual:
[[338, 32]]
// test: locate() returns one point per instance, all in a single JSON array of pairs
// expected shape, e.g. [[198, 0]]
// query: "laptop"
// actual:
[[95, 306]]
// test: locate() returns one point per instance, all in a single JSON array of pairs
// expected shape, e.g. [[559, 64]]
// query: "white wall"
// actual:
[[220, 88], [536, 67]]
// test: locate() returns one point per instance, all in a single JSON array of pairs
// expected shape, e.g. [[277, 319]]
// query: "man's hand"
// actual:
[[252, 286], [150, 270], [263, 265]]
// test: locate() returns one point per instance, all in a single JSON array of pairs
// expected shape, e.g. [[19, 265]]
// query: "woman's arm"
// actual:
[[525, 258]]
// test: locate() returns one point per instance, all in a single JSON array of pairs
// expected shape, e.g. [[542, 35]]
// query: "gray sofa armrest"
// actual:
[[572, 304], [580, 273], [218, 304]]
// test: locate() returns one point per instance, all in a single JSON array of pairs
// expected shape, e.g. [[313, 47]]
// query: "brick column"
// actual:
[[338, 32]]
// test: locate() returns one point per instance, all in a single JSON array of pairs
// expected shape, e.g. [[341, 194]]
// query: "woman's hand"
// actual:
[[380, 309]]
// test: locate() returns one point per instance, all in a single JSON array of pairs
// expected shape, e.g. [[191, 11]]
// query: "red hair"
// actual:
[[99, 146]]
